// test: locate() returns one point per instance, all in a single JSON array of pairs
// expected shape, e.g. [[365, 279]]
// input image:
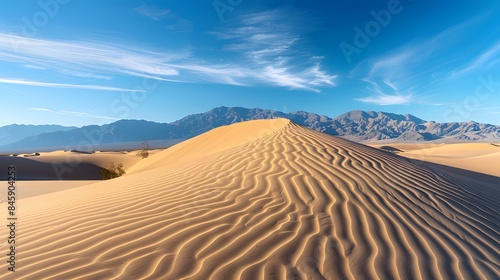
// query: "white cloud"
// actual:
[[152, 12], [386, 93], [36, 67], [394, 77], [320, 77], [85, 56], [57, 85], [74, 114], [392, 63], [485, 60], [272, 49], [179, 24], [85, 75], [256, 53], [281, 77], [386, 99], [175, 22]]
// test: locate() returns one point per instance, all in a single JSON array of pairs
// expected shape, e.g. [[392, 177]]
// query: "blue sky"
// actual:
[[75, 62]]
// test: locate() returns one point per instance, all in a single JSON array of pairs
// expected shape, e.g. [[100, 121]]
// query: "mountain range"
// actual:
[[15, 132], [361, 126]]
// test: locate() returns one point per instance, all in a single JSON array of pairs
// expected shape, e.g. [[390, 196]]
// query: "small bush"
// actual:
[[113, 172], [144, 152]]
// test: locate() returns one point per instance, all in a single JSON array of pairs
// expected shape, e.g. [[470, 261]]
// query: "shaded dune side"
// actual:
[[29, 169], [64, 165], [295, 204]]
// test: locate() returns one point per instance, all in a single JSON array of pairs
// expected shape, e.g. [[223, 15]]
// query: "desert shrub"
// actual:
[[144, 153], [113, 172]]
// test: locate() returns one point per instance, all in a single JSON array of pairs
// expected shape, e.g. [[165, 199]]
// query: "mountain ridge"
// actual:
[[357, 125], [16, 132]]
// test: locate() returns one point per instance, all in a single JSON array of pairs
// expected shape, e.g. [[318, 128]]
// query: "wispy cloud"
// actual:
[[86, 56], [57, 85], [84, 75], [114, 59], [152, 12], [397, 76], [174, 22], [490, 110], [74, 114], [274, 54], [36, 67], [393, 78], [386, 99], [271, 47], [483, 61]]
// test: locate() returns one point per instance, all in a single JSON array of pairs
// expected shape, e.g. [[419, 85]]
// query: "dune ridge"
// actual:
[[291, 203]]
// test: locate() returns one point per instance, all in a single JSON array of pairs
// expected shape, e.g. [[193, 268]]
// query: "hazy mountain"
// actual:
[[92, 137], [13, 133], [355, 125]]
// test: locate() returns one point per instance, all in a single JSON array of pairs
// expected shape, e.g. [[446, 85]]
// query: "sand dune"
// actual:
[[35, 188], [265, 200], [219, 139], [62, 165], [479, 157]]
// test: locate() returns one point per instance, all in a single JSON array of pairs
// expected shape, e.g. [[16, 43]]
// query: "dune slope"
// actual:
[[479, 157], [289, 204], [61, 165]]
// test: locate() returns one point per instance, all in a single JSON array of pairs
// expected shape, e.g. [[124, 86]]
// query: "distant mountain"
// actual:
[[363, 126], [200, 123], [354, 125], [91, 137], [13, 133], [196, 124], [369, 126]]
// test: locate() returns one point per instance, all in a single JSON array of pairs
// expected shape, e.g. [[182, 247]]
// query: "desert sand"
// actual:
[[65, 165], [35, 188], [478, 157], [265, 200]]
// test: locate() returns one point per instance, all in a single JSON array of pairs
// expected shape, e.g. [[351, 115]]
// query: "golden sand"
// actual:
[[265, 200]]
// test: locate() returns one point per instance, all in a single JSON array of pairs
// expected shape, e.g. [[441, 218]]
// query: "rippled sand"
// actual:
[[265, 200]]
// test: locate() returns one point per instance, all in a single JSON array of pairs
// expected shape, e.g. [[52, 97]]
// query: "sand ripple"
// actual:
[[291, 204]]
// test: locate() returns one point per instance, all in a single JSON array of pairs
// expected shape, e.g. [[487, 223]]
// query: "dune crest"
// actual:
[[217, 140], [265, 200]]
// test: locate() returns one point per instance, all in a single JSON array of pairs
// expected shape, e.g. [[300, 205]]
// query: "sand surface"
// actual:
[[265, 200], [479, 157], [62, 165], [35, 188]]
